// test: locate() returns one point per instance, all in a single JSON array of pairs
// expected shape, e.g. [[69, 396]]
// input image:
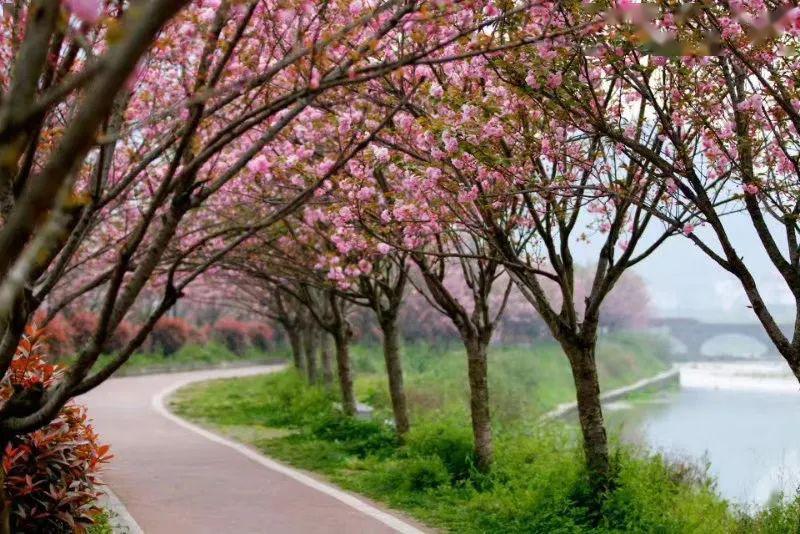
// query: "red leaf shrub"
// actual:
[[261, 335], [83, 326], [123, 333], [59, 335], [169, 335], [232, 333], [199, 335], [52, 473]]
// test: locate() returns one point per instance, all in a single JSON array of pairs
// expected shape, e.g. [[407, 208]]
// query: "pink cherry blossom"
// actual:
[[750, 189], [356, 6], [86, 10], [381, 153], [555, 80], [365, 266], [260, 164]]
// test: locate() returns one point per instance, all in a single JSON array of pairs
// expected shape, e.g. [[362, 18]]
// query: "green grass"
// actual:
[[524, 382], [102, 525], [192, 356], [538, 483]]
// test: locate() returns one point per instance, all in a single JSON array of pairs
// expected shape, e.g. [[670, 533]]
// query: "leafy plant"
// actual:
[[233, 334], [51, 474], [83, 325], [448, 442], [361, 438], [59, 336], [169, 334], [261, 335]]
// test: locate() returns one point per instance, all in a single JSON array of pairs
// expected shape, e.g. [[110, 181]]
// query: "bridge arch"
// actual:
[[734, 345], [693, 335]]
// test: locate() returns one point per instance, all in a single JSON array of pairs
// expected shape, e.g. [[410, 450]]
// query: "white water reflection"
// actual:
[[743, 418]]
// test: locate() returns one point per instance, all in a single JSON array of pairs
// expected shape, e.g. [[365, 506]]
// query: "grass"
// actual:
[[192, 357], [102, 525], [524, 382], [538, 483]]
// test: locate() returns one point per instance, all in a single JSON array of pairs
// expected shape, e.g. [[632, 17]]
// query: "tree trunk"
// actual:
[[295, 343], [310, 349], [394, 370], [327, 358], [477, 368], [345, 374], [590, 414]]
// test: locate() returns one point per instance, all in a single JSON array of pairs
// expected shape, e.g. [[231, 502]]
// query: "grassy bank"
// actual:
[[524, 382], [537, 485]]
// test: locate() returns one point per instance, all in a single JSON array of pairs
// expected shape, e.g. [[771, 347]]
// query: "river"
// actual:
[[742, 418]]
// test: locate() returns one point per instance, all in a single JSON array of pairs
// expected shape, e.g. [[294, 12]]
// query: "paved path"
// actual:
[[176, 478]]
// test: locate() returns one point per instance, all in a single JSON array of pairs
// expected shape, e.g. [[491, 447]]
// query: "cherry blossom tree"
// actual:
[[718, 85], [61, 89], [483, 152], [267, 299], [383, 288], [130, 136], [396, 209]]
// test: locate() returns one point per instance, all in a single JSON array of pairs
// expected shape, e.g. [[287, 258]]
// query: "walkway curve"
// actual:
[[175, 477]]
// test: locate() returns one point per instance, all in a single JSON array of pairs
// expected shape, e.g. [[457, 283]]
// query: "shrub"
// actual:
[[51, 473], [200, 335], [233, 334], [658, 496], [449, 442], [121, 335], [261, 335], [169, 334], [83, 326], [361, 438], [780, 515], [403, 476], [59, 335], [422, 474]]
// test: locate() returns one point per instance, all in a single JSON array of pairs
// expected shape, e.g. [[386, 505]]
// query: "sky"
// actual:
[[684, 282]]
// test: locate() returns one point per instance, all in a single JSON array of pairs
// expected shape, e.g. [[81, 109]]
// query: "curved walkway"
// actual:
[[176, 478]]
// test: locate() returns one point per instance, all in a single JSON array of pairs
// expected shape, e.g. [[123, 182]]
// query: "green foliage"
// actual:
[[101, 525], [781, 516], [408, 475], [360, 438], [524, 381], [660, 496], [450, 442], [284, 402]]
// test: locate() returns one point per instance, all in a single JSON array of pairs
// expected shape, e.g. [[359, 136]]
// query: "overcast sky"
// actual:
[[684, 282]]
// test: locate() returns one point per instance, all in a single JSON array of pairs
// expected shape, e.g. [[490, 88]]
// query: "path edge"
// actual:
[[119, 518], [158, 403]]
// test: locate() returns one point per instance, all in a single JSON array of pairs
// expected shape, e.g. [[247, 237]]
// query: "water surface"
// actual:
[[741, 418]]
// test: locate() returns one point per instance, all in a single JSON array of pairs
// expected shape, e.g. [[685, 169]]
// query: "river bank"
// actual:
[[737, 418], [525, 382], [537, 484]]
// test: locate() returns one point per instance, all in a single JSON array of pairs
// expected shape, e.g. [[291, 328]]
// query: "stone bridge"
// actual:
[[693, 334]]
